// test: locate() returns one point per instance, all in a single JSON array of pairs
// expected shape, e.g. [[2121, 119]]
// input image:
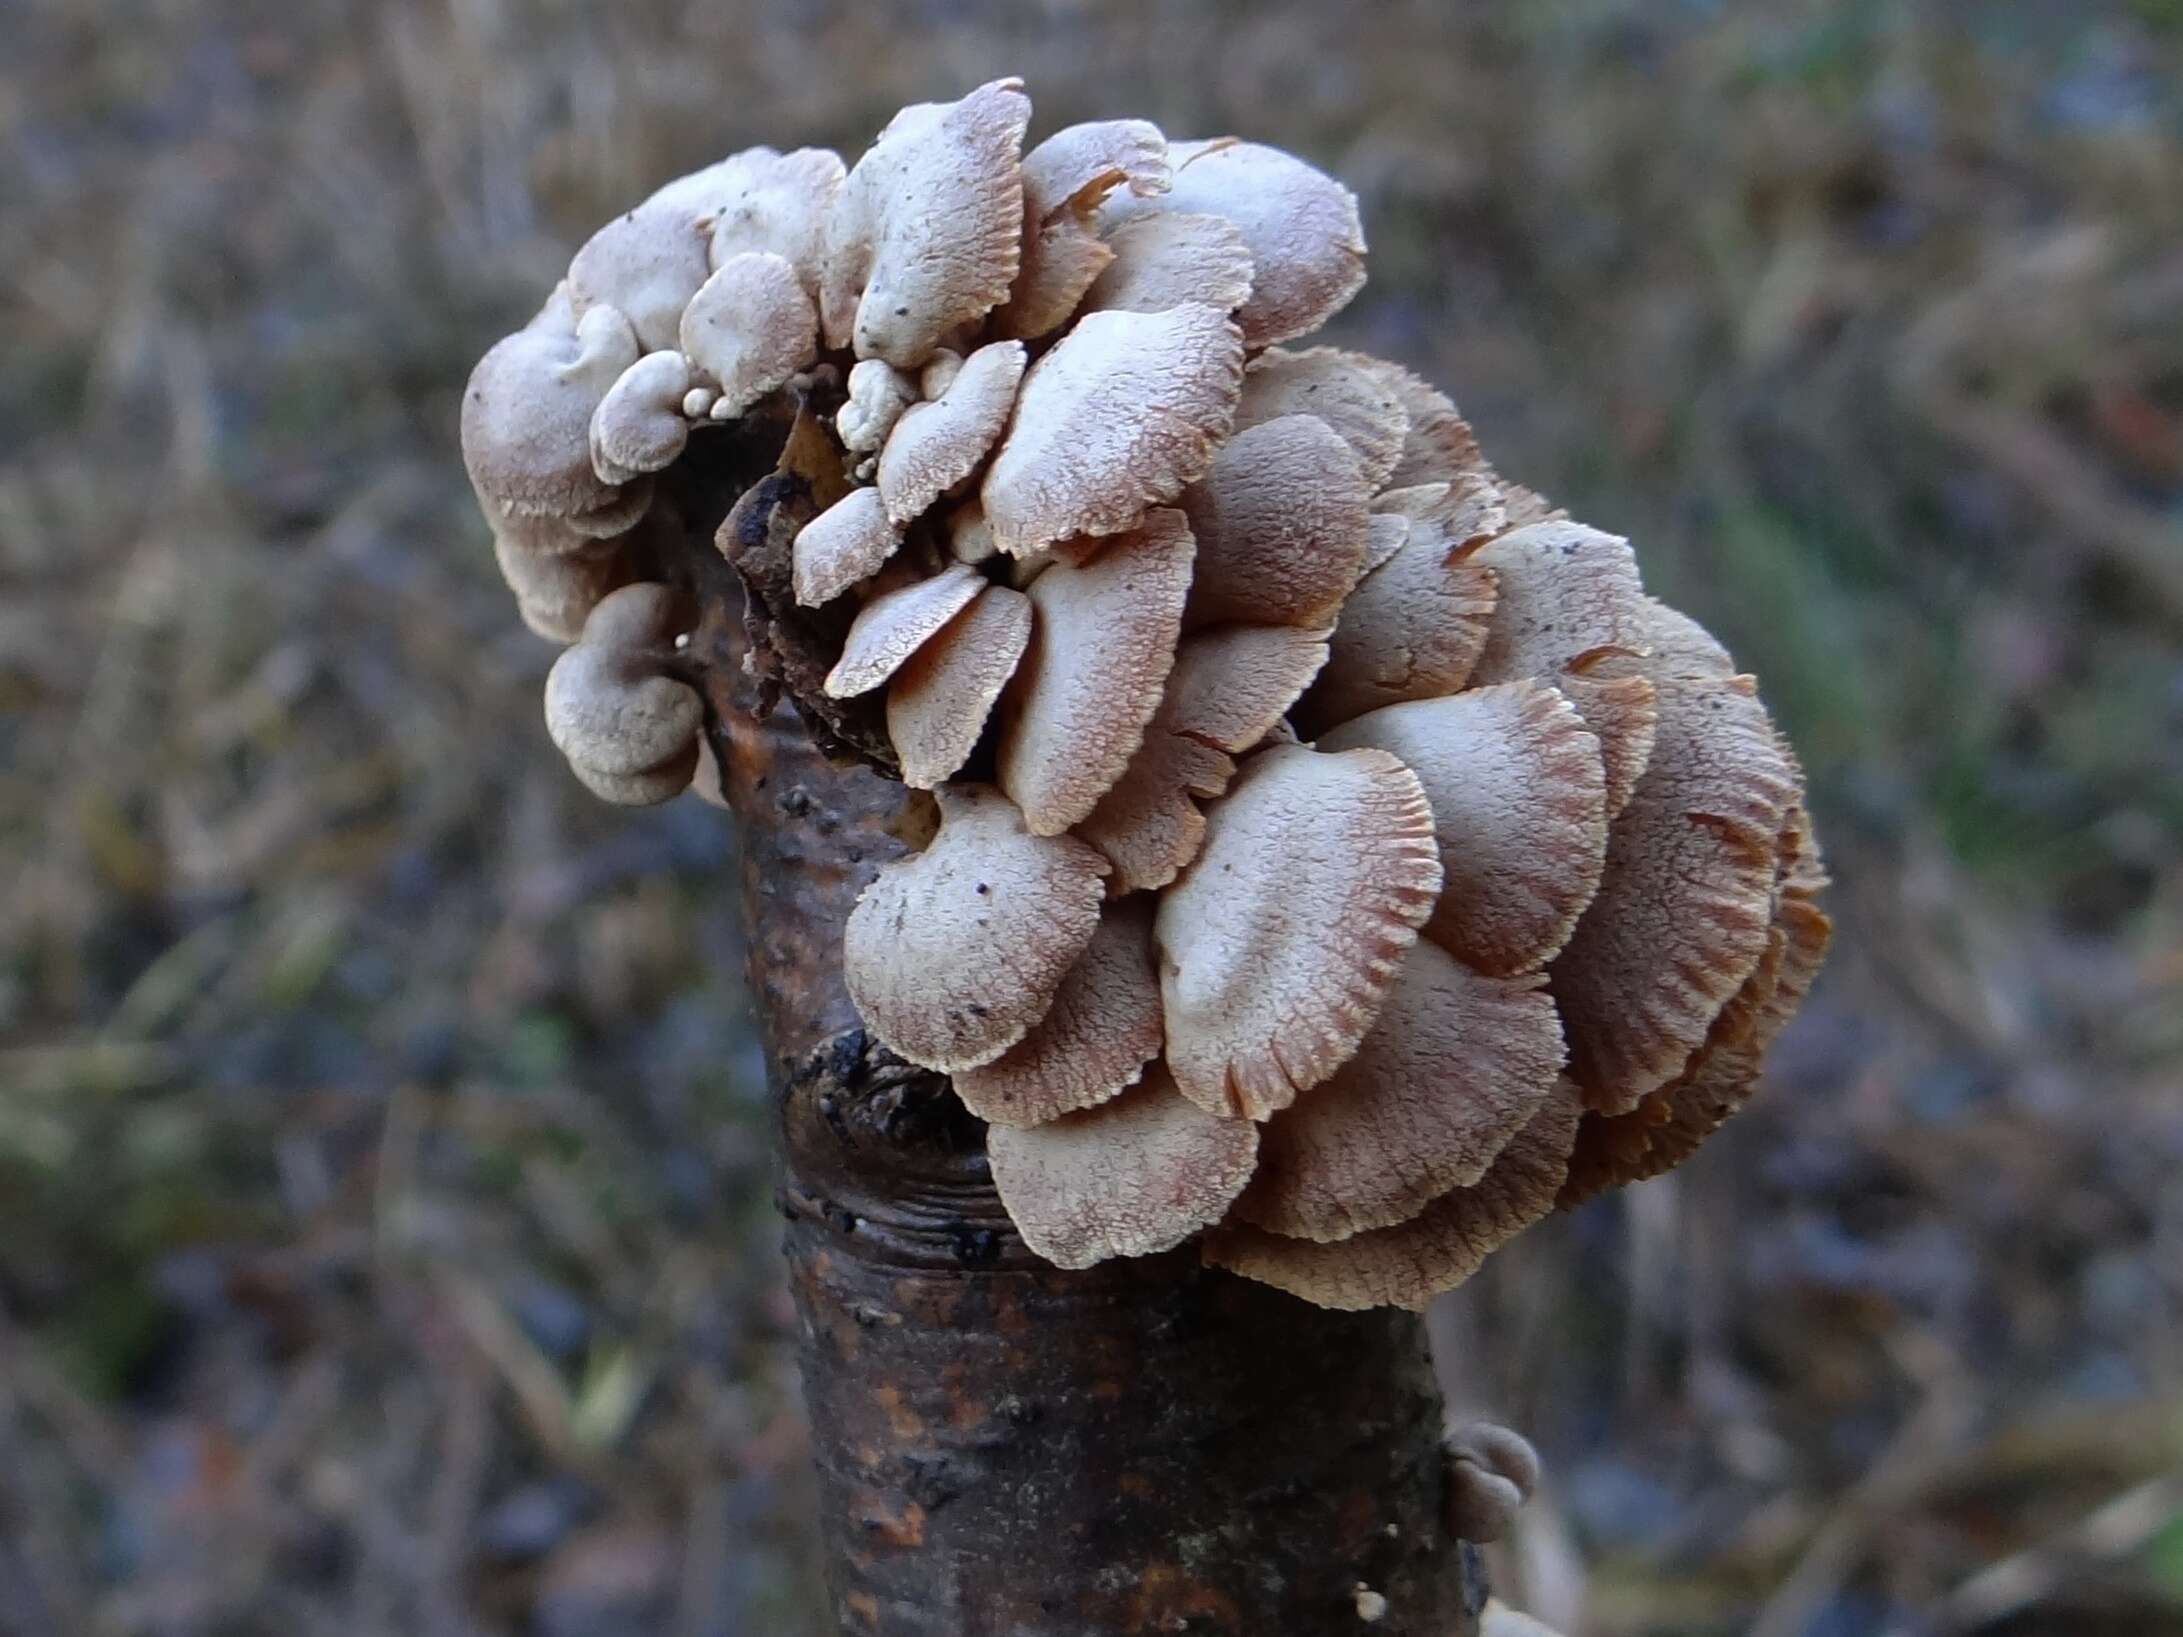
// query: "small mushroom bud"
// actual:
[[1491, 1473], [878, 394], [627, 726]]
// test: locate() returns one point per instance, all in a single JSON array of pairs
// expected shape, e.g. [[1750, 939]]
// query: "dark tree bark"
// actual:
[[1007, 1449]]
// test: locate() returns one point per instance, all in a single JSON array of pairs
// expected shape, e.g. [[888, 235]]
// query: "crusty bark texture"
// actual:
[[1007, 1449]]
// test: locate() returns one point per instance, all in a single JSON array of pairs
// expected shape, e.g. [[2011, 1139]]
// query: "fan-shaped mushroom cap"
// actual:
[[647, 263], [1225, 694], [878, 394], [750, 327], [776, 202], [952, 955], [1078, 165], [1567, 592], [1106, 640], [1061, 261], [1438, 444], [1122, 413], [895, 624], [927, 231], [1622, 712], [1279, 944], [1456, 1065], [1282, 523], [1352, 393], [1407, 1265], [1681, 916], [628, 729], [1102, 1030], [843, 545], [1305, 238], [1677, 644], [938, 701], [1519, 803], [1413, 629], [638, 426], [554, 593], [938, 443], [1134, 1176], [526, 414], [1167, 259], [1667, 1127]]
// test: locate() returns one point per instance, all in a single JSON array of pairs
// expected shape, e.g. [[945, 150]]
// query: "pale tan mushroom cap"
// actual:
[[1281, 519], [1455, 1066], [1352, 393], [1078, 165], [954, 954], [1061, 262], [1226, 693], [938, 702], [1121, 413], [1169, 259], [878, 394], [1132, 1177], [843, 545], [1413, 628], [555, 593], [1407, 1265], [1683, 907], [776, 202], [628, 729], [526, 414], [1105, 642], [937, 444], [895, 624], [1519, 803], [647, 264], [749, 327], [1302, 227], [1279, 943], [926, 234], [639, 426], [1102, 1030]]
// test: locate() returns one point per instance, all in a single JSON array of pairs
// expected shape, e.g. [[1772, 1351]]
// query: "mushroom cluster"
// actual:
[[1339, 853]]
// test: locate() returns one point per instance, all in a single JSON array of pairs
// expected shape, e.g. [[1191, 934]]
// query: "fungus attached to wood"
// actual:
[[1339, 854]]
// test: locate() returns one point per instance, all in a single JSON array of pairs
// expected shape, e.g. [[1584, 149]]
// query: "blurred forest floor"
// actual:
[[385, 1234]]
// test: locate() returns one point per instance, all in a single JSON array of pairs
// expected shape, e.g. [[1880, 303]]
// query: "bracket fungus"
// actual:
[[1340, 857]]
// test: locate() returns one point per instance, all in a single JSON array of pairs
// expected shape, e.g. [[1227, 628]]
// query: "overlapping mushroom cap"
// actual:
[[1339, 851]]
